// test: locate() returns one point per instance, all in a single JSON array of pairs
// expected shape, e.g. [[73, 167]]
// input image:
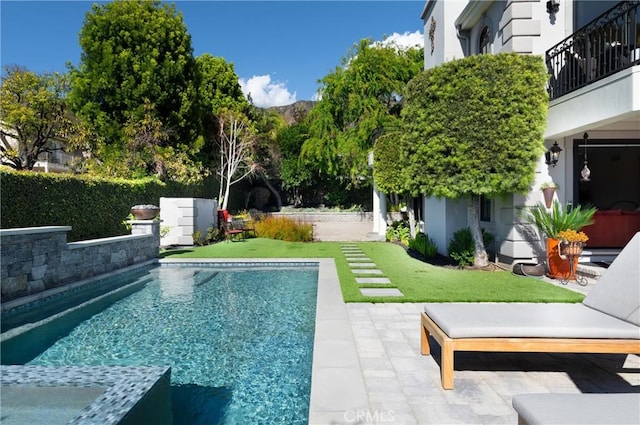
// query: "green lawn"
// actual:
[[418, 281]]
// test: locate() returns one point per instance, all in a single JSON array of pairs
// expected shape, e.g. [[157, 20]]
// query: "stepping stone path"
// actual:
[[364, 269]]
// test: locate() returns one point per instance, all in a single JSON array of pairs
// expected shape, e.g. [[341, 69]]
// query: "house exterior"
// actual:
[[55, 160], [592, 50]]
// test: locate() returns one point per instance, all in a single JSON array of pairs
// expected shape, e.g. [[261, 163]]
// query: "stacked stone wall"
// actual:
[[39, 258]]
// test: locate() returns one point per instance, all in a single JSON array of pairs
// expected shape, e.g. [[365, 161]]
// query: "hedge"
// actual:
[[93, 207]]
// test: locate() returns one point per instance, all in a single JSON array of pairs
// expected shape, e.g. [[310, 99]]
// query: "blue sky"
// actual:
[[279, 48]]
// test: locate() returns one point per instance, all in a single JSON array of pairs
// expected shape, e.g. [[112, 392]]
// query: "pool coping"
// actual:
[[337, 382]]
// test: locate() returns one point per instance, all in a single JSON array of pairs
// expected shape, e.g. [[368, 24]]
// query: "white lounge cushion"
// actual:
[[538, 409], [617, 292], [527, 320]]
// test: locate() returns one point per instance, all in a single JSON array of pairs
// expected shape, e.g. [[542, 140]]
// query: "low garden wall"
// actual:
[[314, 217], [35, 259]]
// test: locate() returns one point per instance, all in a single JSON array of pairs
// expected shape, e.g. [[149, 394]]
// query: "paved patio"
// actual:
[[368, 370]]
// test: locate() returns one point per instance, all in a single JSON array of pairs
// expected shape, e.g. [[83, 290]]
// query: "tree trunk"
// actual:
[[272, 189], [480, 258], [412, 217]]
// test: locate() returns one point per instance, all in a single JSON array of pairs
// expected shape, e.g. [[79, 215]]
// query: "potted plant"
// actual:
[[571, 242], [550, 222], [548, 190]]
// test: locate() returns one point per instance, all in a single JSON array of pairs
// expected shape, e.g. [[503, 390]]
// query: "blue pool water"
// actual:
[[239, 341]]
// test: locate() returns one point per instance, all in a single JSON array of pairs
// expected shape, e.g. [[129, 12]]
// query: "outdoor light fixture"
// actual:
[[586, 172], [553, 6], [551, 156]]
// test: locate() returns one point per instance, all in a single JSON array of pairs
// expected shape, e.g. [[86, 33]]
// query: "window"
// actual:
[[485, 208], [484, 43]]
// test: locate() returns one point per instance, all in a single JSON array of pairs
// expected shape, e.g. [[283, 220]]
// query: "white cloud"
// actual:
[[265, 93], [317, 96], [404, 41]]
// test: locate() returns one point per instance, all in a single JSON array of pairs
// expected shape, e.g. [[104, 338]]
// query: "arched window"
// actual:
[[485, 39]]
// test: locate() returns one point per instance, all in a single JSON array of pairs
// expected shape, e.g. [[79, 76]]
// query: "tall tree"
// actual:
[[474, 127], [236, 144], [219, 90], [296, 178], [219, 85], [33, 114], [360, 96], [136, 53]]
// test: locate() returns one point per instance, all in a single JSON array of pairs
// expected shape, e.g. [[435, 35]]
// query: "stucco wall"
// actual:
[[35, 259], [184, 216]]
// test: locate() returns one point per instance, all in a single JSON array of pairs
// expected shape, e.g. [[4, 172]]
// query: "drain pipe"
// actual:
[[464, 37]]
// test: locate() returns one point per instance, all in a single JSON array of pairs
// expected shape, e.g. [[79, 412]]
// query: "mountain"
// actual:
[[295, 112]]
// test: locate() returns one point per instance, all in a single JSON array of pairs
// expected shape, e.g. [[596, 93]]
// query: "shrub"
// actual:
[[398, 231], [461, 247], [197, 237], [284, 229], [214, 235], [424, 245], [93, 207]]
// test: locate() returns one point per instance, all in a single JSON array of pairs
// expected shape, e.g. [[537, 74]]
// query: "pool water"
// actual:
[[239, 341]]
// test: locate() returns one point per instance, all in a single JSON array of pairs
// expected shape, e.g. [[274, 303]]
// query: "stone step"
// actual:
[[373, 280], [381, 292], [366, 271], [362, 264]]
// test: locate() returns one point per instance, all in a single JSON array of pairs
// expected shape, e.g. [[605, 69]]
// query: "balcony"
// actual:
[[608, 44]]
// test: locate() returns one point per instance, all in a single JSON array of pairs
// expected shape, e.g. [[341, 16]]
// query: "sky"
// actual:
[[280, 49]]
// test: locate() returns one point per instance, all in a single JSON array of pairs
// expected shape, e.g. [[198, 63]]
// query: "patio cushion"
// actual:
[[527, 320], [617, 292], [616, 409]]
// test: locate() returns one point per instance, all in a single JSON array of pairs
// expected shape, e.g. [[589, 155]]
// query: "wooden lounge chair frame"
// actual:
[[449, 346], [606, 322]]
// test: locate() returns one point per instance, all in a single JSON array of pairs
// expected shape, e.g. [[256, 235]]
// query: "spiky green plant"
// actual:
[[559, 218]]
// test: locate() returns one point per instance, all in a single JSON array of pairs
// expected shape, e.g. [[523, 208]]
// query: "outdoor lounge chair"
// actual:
[[607, 321], [244, 225], [538, 409]]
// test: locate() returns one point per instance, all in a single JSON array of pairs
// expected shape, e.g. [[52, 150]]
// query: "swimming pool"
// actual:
[[239, 340]]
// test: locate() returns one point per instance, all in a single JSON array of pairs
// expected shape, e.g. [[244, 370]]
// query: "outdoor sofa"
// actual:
[[584, 409], [607, 320]]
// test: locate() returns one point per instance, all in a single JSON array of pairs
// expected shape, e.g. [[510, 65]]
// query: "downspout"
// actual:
[[464, 37]]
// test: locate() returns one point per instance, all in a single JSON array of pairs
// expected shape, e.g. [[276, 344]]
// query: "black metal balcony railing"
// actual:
[[606, 45]]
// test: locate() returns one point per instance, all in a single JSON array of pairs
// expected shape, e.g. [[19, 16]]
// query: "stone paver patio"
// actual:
[[368, 370]]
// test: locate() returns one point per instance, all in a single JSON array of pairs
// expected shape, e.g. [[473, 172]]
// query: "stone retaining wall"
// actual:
[[315, 217], [34, 259]]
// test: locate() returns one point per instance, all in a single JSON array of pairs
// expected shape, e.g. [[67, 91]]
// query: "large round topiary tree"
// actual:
[[475, 127]]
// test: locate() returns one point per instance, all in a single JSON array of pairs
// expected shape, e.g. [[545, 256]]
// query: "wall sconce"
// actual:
[[551, 156], [553, 6]]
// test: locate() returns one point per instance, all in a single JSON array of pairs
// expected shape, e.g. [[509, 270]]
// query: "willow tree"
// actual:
[[474, 127], [361, 95]]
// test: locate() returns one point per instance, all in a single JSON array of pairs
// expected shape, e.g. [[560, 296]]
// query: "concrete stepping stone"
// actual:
[[362, 264], [366, 271], [381, 292], [373, 280], [355, 254], [359, 259]]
